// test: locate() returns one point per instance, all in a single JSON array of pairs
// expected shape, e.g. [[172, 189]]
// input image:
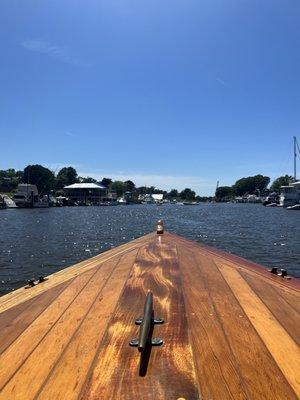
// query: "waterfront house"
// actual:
[[86, 193]]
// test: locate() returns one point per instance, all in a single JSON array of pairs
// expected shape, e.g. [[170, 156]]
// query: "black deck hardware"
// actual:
[[146, 327], [33, 282], [282, 273], [30, 283]]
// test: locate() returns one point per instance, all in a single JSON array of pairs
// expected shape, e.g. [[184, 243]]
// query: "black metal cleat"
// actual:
[[147, 323], [30, 283], [274, 270], [41, 279]]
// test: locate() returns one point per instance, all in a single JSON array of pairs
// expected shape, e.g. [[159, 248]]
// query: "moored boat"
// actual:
[[295, 207], [161, 317]]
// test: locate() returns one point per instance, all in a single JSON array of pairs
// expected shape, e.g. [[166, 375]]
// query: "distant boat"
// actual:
[[190, 203], [27, 196], [295, 207], [290, 194], [6, 202], [121, 201], [272, 205]]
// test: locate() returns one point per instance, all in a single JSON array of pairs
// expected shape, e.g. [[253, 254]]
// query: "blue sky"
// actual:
[[169, 93]]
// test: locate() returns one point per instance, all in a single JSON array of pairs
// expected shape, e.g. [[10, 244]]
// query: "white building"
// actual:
[[84, 193]]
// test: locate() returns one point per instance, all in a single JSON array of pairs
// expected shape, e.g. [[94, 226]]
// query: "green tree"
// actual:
[[106, 182], [224, 192], [173, 194], [9, 179], [187, 194], [40, 176], [251, 185], [66, 176], [281, 181], [129, 186], [118, 187]]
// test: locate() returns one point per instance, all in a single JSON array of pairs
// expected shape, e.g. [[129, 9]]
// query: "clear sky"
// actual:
[[177, 93]]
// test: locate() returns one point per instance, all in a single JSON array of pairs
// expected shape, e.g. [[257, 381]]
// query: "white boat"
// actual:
[[27, 196], [6, 202], [272, 205], [295, 207], [290, 195], [122, 202]]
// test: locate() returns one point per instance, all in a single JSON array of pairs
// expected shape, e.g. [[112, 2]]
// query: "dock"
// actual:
[[229, 329]]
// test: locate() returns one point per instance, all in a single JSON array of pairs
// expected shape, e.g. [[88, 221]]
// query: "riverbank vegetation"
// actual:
[[47, 181], [258, 185]]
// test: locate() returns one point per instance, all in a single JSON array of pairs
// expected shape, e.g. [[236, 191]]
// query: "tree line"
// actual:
[[47, 181], [257, 185]]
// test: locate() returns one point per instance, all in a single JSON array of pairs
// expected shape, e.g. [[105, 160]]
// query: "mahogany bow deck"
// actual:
[[231, 328]]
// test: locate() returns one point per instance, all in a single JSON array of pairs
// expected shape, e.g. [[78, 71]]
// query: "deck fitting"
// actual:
[[30, 283], [147, 323]]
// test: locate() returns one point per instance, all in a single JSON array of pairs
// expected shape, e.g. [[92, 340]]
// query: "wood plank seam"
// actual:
[[189, 331], [32, 350], [80, 352], [281, 299], [20, 295], [292, 284], [246, 391], [232, 367], [37, 316], [94, 361], [280, 361], [270, 279], [75, 332]]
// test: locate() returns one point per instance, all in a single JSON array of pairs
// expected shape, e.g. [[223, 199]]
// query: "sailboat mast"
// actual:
[[295, 159]]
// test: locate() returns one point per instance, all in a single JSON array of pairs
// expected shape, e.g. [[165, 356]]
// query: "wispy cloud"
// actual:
[[44, 47], [166, 182], [71, 134], [222, 82]]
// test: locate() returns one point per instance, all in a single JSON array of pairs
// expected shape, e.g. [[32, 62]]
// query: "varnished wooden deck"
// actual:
[[231, 328]]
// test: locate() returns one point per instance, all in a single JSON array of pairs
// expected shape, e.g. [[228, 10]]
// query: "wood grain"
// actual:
[[279, 307], [282, 347], [213, 356], [13, 324], [66, 379], [170, 374], [35, 369], [14, 356], [231, 328], [20, 295]]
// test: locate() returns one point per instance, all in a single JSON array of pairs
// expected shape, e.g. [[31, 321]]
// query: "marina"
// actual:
[[220, 319]]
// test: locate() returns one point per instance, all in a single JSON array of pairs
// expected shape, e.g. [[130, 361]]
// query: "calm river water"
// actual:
[[42, 241]]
